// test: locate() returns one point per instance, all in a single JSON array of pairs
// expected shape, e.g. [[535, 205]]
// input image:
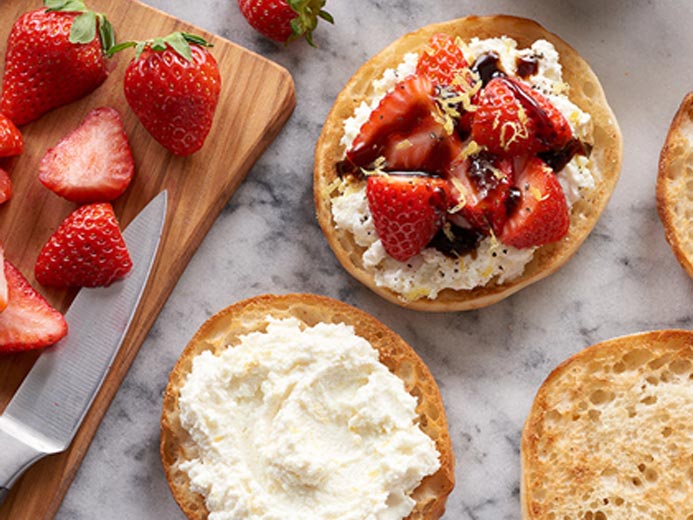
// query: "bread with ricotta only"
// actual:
[[610, 433], [222, 331]]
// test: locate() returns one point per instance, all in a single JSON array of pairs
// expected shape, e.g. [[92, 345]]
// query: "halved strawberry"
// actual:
[[93, 162], [481, 188], [407, 211], [11, 141], [501, 123], [403, 130], [3, 281], [29, 322], [5, 186], [442, 61], [541, 213], [87, 250]]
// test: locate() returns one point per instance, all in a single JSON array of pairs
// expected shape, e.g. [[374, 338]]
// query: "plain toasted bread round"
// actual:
[[610, 434], [585, 91], [224, 328], [675, 185]]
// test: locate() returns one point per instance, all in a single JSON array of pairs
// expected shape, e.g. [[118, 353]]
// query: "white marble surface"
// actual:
[[489, 363]]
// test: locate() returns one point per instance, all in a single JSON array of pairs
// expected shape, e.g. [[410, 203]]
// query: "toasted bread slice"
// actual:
[[610, 434], [675, 185], [585, 91], [247, 316]]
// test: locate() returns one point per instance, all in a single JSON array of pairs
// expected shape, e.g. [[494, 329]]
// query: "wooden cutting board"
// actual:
[[256, 100]]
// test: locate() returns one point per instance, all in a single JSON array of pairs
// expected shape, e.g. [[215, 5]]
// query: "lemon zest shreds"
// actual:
[[416, 294], [471, 148], [403, 145], [335, 185], [447, 231]]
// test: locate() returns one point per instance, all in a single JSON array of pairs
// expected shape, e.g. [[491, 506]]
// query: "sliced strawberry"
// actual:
[[552, 129], [403, 130], [3, 281], [11, 141], [87, 250], [93, 162], [443, 61], [5, 186], [501, 123], [407, 211], [481, 188], [28, 322], [541, 214]]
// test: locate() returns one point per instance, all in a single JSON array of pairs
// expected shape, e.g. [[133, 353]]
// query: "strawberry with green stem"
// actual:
[[173, 85], [53, 58], [285, 20]]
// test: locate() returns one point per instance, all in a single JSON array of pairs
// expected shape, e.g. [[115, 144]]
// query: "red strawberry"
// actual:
[[173, 86], [408, 210], [5, 186], [87, 250], [284, 20], [541, 213], [3, 281], [28, 322], [552, 129], [443, 61], [11, 141], [53, 58], [481, 187], [403, 130], [501, 122], [93, 162]]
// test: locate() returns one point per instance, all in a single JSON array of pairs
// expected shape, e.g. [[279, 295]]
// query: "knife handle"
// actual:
[[15, 457]]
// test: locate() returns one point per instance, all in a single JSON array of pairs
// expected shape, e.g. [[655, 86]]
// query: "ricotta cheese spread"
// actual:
[[429, 272], [299, 423]]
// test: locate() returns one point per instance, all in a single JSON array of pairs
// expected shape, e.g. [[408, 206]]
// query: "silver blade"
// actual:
[[57, 393]]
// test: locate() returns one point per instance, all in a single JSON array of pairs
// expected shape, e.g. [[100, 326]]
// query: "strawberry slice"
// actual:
[[3, 281], [481, 188], [407, 210], [29, 322], [443, 61], [11, 141], [541, 213], [87, 250], [93, 162], [5, 186]]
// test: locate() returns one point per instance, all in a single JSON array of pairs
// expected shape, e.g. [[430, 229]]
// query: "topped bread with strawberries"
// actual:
[[465, 161]]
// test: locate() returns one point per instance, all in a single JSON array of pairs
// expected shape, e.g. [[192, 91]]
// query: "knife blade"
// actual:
[[46, 411]]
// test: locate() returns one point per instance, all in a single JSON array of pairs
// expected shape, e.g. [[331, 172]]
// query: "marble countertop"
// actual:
[[489, 363]]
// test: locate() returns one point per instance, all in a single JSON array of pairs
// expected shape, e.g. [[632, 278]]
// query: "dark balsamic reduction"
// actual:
[[488, 66], [464, 241], [526, 66], [557, 159], [482, 173], [511, 203]]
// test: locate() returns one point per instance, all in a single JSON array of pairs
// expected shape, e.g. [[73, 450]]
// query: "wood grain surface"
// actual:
[[257, 98]]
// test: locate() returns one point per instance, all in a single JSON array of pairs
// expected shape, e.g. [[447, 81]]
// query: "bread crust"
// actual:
[[674, 198], [586, 92], [652, 353], [250, 315]]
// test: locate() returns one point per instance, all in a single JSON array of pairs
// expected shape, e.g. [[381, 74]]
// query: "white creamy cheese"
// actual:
[[429, 272], [303, 422]]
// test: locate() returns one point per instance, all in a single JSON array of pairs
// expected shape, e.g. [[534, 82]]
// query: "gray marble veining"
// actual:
[[490, 362]]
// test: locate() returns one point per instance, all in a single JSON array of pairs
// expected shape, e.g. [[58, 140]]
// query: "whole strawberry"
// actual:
[[173, 84], [53, 57], [87, 250], [285, 20]]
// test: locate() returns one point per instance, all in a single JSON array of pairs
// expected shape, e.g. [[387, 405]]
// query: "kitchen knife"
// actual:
[[44, 415]]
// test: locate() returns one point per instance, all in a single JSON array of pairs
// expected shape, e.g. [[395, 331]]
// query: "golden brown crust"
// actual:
[[608, 430], [674, 192], [250, 315], [585, 91]]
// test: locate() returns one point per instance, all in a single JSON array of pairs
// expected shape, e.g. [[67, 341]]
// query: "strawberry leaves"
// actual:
[[84, 26], [178, 41], [308, 12]]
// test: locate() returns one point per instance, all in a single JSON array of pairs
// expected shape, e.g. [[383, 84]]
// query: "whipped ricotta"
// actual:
[[303, 422], [428, 273]]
